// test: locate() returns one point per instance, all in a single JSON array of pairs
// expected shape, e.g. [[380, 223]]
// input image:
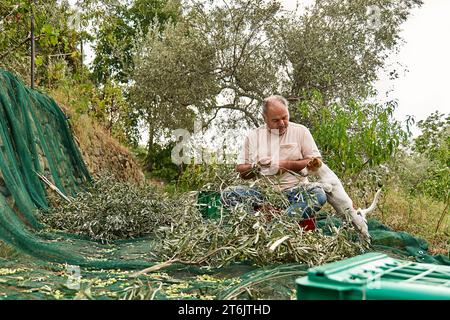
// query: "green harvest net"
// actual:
[[35, 142], [35, 139]]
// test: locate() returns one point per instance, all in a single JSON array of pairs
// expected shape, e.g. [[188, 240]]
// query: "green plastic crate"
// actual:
[[209, 204], [375, 276]]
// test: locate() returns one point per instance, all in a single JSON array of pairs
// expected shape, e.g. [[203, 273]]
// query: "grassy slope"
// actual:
[[100, 151]]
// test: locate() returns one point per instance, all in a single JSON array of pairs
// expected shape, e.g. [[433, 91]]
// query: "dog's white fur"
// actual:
[[340, 200]]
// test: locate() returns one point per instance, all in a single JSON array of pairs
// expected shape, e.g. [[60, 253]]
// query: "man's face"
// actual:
[[277, 117]]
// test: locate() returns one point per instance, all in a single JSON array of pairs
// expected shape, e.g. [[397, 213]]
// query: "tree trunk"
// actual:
[[32, 43], [148, 165], [81, 51]]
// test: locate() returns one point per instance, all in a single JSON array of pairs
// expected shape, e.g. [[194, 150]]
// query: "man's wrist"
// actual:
[[255, 167]]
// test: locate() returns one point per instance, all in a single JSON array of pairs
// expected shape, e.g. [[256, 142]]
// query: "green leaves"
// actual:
[[38, 60], [47, 29], [119, 28], [55, 40], [434, 143], [111, 210], [352, 136], [332, 47], [49, 35]]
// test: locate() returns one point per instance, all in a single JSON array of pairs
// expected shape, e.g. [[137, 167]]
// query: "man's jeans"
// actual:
[[304, 202]]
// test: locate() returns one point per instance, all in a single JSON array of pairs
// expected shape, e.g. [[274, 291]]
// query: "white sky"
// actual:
[[426, 54]]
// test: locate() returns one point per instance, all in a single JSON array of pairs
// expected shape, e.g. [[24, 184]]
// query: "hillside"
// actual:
[[100, 151]]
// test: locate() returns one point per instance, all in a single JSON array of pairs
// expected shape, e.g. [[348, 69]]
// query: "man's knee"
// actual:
[[233, 195], [313, 201], [319, 195]]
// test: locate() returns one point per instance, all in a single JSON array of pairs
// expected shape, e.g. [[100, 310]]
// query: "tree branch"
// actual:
[[246, 112], [3, 55]]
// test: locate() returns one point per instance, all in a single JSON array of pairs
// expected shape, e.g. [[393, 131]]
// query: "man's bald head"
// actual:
[[276, 113], [272, 101]]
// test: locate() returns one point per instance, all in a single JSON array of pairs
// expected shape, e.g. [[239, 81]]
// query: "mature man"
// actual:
[[280, 150]]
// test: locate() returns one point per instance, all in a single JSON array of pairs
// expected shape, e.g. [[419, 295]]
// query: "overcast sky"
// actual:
[[424, 88]]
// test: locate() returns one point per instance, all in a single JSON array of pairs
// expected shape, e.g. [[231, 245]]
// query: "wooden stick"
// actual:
[[53, 187]]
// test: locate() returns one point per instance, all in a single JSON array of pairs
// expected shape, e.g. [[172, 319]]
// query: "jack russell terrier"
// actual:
[[337, 196]]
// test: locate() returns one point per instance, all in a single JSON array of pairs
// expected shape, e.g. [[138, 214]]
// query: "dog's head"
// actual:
[[312, 166]]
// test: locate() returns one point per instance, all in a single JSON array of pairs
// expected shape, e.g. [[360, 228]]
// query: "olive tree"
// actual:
[[337, 47], [165, 98], [213, 59], [221, 59]]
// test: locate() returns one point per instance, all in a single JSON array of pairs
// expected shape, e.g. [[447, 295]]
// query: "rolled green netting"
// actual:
[[35, 138]]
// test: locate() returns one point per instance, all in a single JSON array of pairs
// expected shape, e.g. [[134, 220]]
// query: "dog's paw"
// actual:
[[265, 161], [327, 187], [304, 172]]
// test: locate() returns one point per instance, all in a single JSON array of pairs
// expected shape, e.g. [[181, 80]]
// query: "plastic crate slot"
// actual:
[[431, 276], [420, 276], [375, 276]]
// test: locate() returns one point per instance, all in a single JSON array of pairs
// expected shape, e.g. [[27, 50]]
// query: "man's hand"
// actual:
[[265, 161], [268, 167]]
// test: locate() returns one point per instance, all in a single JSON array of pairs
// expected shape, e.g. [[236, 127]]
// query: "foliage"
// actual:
[[57, 54], [409, 210], [165, 107], [60, 31], [212, 51], [163, 167], [353, 136], [106, 105], [241, 235], [209, 60], [434, 143], [110, 210], [417, 185], [253, 49], [338, 47], [196, 176], [118, 25], [111, 109], [74, 92]]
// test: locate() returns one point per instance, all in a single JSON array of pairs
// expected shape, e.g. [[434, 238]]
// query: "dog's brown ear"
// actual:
[[314, 164], [317, 162]]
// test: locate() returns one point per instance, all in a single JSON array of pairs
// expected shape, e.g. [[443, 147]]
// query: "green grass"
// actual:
[[419, 215]]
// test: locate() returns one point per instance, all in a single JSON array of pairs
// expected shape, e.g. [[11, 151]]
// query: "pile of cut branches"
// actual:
[[112, 210], [262, 237]]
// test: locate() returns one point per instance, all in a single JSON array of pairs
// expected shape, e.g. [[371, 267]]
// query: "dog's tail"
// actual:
[[372, 207]]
